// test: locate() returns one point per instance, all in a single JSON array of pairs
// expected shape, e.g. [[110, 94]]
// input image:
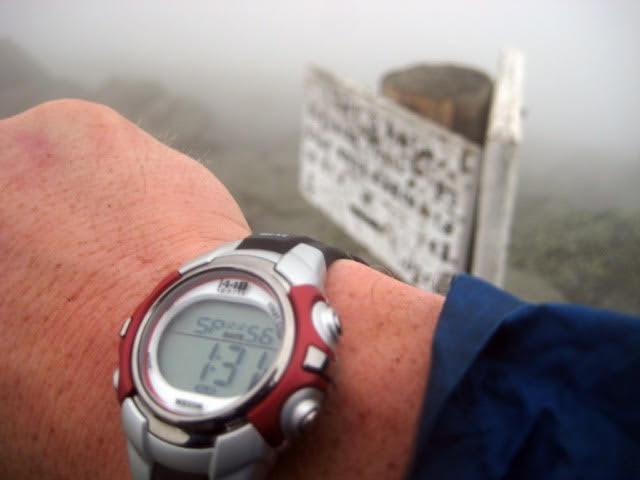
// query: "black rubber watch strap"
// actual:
[[282, 243], [160, 472]]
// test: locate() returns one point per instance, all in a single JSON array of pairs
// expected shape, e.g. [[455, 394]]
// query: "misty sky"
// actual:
[[246, 59]]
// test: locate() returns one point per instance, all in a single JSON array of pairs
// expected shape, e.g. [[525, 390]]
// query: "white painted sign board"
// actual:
[[400, 185]]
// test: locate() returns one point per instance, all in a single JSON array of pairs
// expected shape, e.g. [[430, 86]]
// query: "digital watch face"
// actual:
[[217, 347], [211, 342]]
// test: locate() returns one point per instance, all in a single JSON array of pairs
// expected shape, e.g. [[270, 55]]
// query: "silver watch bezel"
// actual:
[[263, 270]]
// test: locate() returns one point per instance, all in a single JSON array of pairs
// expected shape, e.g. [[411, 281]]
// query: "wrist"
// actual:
[[384, 355]]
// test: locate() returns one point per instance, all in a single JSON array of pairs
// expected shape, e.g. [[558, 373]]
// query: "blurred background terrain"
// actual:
[[224, 85]]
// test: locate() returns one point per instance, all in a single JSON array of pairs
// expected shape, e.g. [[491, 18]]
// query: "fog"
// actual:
[[245, 59], [244, 62]]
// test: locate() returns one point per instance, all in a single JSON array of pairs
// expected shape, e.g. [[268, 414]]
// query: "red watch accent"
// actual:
[[125, 377], [266, 415]]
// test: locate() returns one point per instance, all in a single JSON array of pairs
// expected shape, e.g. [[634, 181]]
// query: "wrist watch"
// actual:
[[227, 359]]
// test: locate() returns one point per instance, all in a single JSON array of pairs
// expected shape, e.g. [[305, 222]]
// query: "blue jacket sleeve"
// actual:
[[528, 392]]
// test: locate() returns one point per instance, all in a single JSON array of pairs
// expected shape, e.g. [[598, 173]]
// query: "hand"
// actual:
[[94, 213]]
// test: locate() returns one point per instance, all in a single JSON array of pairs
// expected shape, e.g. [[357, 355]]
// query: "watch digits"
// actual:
[[227, 359]]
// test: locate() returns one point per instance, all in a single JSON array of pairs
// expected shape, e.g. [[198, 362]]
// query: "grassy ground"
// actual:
[[589, 256]]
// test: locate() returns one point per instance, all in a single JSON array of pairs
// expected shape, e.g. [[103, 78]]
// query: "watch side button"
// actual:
[[125, 327], [327, 323], [300, 410], [315, 360]]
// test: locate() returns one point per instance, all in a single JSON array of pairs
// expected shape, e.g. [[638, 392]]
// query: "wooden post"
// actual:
[[498, 183], [456, 97]]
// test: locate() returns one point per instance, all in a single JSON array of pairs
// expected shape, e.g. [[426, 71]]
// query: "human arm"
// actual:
[[94, 213], [526, 391]]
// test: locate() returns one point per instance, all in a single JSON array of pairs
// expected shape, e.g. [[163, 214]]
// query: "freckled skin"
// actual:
[[94, 213]]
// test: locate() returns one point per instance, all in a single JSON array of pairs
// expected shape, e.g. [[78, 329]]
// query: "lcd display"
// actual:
[[218, 348]]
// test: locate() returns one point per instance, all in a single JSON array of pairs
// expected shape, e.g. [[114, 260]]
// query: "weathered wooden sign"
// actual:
[[401, 185]]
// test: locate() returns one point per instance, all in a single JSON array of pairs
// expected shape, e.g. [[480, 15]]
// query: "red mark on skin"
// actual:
[[26, 158], [38, 148]]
